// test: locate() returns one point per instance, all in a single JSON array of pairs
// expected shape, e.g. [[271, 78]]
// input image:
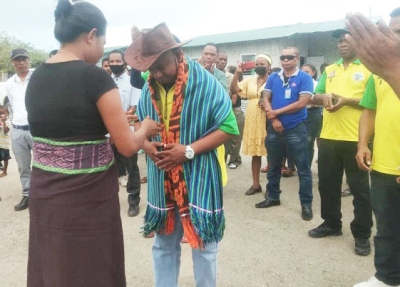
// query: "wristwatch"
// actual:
[[189, 153]]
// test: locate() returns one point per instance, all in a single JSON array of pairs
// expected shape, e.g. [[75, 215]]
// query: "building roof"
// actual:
[[269, 33]]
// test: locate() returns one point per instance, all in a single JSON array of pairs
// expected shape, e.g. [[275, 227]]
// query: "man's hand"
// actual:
[[337, 103], [171, 156], [277, 125], [271, 114], [327, 101], [363, 157], [151, 150], [377, 46], [135, 33]]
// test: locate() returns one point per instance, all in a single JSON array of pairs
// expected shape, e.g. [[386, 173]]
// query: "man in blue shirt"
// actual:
[[285, 98]]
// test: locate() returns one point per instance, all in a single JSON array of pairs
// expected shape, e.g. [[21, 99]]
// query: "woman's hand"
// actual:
[[151, 149], [152, 128], [239, 67]]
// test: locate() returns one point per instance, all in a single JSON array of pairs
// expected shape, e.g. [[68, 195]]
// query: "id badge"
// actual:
[[288, 93]]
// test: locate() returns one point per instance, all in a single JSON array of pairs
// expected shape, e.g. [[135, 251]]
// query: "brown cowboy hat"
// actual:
[[151, 44]]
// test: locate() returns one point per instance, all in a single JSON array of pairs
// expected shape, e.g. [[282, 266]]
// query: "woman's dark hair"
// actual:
[[322, 67], [74, 19], [312, 67]]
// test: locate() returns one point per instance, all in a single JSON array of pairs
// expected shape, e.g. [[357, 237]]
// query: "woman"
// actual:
[[75, 227], [254, 132], [314, 114]]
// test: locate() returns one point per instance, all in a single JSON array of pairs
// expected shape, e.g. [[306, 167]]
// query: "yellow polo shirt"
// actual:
[[380, 96], [229, 126], [349, 83]]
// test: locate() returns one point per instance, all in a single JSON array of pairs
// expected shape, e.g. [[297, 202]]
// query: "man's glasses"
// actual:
[[287, 57]]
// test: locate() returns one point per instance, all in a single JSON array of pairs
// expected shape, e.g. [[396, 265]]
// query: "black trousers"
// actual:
[[385, 198], [335, 157], [129, 165]]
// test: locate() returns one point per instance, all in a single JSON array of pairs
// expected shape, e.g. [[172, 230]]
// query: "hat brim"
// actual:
[[339, 32], [134, 58], [19, 55]]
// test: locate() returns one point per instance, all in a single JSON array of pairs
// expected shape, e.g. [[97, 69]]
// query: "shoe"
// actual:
[[346, 192], [268, 203], [253, 190], [306, 212], [133, 210], [374, 282], [362, 247], [323, 231], [265, 169], [123, 180], [233, 166], [288, 172], [22, 205]]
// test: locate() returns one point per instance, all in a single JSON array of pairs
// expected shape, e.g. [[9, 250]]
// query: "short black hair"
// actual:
[[105, 59], [211, 44], [53, 52], [312, 67], [395, 12], [117, 51], [322, 67], [74, 19]]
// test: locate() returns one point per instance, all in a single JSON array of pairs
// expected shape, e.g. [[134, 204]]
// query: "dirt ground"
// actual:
[[261, 247]]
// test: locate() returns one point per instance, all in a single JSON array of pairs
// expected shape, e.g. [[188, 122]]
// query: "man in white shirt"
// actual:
[[129, 98], [21, 138]]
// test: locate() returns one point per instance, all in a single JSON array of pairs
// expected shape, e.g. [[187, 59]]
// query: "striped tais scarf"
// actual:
[[200, 106]]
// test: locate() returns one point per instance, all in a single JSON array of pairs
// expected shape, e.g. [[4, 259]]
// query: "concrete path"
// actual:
[[267, 247]]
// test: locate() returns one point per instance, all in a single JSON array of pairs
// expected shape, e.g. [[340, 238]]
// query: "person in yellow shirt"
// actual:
[[340, 90], [381, 117]]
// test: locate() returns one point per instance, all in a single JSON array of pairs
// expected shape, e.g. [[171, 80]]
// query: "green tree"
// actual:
[[8, 43]]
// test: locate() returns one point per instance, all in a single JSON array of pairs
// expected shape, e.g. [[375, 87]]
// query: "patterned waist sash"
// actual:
[[72, 157]]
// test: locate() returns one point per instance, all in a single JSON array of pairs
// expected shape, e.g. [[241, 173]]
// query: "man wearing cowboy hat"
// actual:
[[184, 178]]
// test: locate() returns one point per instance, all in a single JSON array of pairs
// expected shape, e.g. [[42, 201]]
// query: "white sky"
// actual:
[[32, 21]]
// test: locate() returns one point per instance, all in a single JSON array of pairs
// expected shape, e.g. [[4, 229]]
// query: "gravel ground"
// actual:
[[267, 247]]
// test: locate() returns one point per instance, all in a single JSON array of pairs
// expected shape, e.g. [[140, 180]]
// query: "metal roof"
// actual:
[[269, 33]]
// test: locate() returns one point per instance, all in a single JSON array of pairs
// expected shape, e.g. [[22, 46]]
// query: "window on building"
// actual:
[[248, 61]]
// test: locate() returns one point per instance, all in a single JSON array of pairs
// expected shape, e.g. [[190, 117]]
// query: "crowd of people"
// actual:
[[186, 116]]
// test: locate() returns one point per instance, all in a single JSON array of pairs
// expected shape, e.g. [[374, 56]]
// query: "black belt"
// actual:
[[25, 128]]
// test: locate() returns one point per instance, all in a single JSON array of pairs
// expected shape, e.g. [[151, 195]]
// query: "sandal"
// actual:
[[253, 190], [150, 235], [287, 172], [265, 169], [144, 179]]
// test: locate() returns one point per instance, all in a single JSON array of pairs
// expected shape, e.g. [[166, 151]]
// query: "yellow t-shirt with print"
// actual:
[[165, 106], [380, 96], [348, 83]]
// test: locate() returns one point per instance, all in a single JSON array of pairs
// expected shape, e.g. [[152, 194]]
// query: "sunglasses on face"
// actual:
[[20, 59], [287, 57]]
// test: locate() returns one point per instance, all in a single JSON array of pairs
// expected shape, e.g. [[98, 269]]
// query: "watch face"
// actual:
[[189, 153]]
